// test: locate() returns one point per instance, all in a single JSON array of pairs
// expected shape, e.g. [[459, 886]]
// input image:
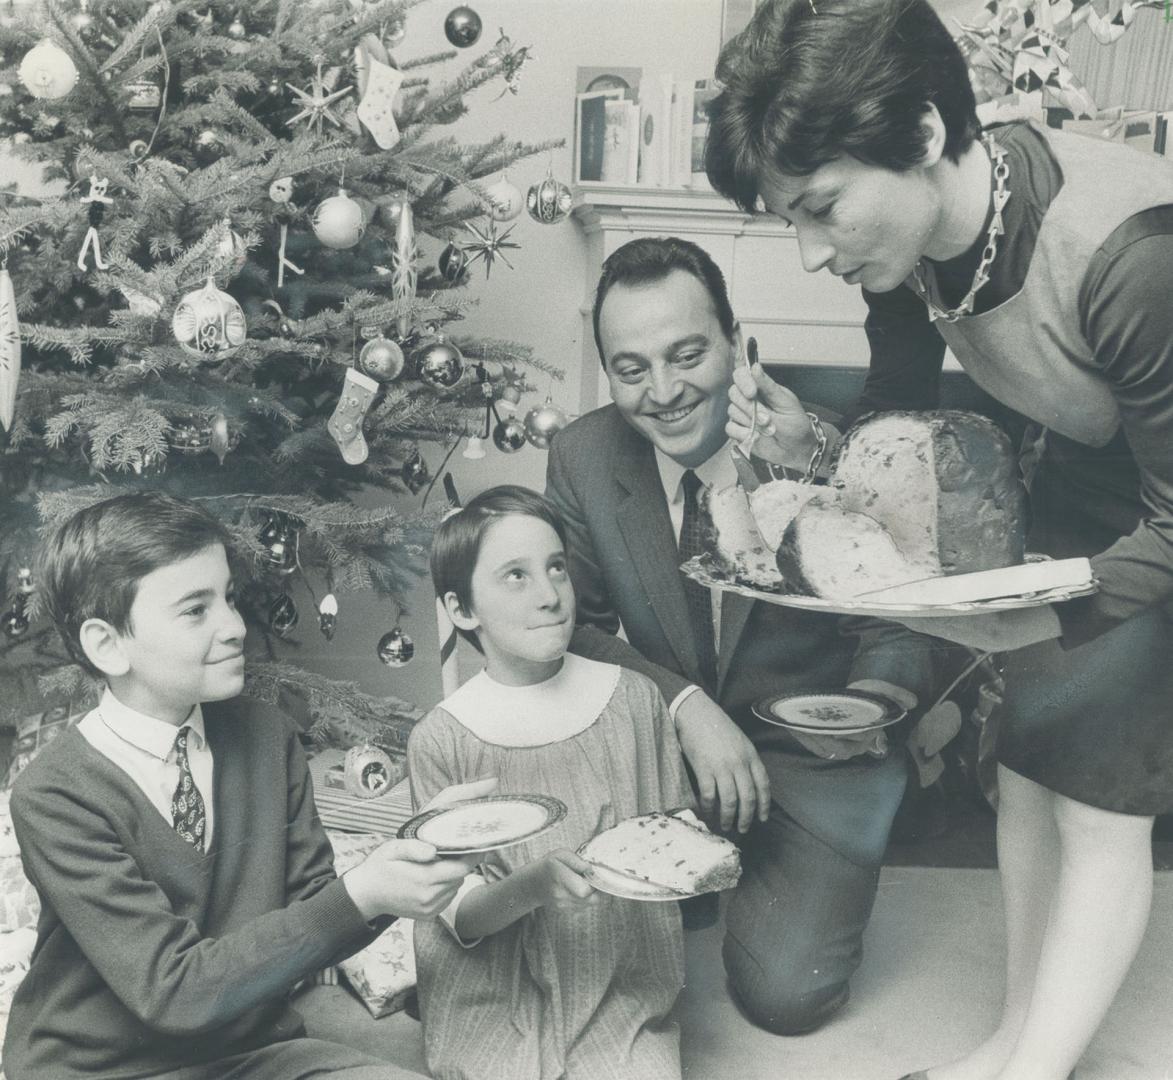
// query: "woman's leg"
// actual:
[[1098, 917], [1028, 860]]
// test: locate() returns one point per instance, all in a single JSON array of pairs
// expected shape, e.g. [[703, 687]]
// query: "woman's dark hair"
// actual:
[[457, 543], [652, 258], [806, 83], [90, 564]]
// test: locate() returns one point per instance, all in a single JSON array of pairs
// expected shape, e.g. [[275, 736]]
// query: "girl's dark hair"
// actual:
[[806, 83], [457, 543], [90, 564], [649, 259]]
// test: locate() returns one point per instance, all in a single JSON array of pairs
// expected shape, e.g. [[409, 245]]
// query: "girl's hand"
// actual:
[[559, 881], [783, 435], [476, 789]]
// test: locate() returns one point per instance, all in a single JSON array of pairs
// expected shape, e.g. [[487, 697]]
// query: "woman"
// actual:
[[1045, 261]]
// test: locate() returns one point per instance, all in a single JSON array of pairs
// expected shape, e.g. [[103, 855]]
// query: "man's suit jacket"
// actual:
[[602, 477]]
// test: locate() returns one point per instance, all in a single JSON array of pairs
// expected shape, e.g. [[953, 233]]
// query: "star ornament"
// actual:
[[316, 104], [489, 244]]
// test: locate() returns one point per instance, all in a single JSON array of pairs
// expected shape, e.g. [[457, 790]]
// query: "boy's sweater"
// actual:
[[150, 953]]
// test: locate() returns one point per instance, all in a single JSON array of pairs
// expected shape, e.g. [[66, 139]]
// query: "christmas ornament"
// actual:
[[219, 441], [542, 423], [510, 397], [395, 648], [149, 463], [279, 539], [367, 771], [48, 71], [138, 149], [209, 323], [390, 209], [189, 438], [328, 616], [9, 349], [338, 221], [509, 435], [462, 27], [81, 20], [209, 145], [281, 189], [475, 450], [345, 424], [97, 201], [283, 615], [232, 246], [143, 95], [490, 244], [505, 201], [281, 192], [382, 359], [379, 82], [415, 473], [236, 29], [316, 103], [14, 624], [440, 365], [550, 201], [396, 34], [403, 269], [452, 263]]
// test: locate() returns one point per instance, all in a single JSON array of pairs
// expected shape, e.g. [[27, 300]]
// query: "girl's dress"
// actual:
[[581, 994]]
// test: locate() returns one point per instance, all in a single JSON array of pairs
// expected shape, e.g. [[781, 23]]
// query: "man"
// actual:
[[626, 478]]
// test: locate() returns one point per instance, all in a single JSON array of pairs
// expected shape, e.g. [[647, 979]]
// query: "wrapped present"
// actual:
[[339, 808], [35, 732], [383, 974], [19, 905]]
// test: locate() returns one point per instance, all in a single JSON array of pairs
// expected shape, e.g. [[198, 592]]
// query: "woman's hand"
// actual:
[[996, 631], [783, 435]]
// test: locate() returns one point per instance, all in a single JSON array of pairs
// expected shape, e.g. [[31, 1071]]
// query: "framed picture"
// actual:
[[592, 80], [590, 132]]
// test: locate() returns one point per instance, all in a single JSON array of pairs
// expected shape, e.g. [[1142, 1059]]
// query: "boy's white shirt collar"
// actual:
[[547, 712], [151, 735]]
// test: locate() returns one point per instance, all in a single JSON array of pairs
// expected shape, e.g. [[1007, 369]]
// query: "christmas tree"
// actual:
[[224, 291]]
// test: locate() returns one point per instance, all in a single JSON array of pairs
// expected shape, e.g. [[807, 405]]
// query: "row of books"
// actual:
[[653, 135], [1145, 129]]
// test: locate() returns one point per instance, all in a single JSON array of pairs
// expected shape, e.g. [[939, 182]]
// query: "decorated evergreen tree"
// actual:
[[235, 286]]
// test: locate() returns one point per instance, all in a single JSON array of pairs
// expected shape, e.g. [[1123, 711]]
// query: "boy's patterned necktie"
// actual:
[[696, 595], [187, 804]]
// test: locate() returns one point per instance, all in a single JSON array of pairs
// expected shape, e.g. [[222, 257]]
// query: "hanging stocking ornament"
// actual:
[[9, 349], [345, 425], [379, 82], [98, 201], [403, 269]]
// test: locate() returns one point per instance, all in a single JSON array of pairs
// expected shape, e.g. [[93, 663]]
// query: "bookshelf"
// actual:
[[800, 318]]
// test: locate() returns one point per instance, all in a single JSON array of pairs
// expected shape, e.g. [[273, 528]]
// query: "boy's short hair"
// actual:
[[90, 564], [807, 83], [457, 543], [649, 259]]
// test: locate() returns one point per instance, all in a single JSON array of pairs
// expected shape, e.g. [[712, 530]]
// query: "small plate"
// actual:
[[702, 568], [841, 712], [610, 881], [496, 821]]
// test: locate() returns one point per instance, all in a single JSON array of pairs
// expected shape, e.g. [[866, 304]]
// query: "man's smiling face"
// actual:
[[669, 364]]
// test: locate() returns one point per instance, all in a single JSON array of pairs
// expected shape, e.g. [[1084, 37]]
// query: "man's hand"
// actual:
[[783, 434], [995, 631], [404, 877], [729, 773]]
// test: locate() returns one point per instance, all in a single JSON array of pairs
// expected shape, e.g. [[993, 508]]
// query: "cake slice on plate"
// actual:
[[672, 851]]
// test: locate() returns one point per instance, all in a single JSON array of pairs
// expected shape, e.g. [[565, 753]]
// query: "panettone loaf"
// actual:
[[942, 487], [735, 541]]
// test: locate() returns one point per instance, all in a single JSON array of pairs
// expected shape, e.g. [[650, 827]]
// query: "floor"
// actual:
[[927, 990]]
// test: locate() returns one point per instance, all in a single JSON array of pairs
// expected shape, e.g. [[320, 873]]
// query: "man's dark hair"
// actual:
[[652, 258], [90, 564], [807, 83], [457, 543]]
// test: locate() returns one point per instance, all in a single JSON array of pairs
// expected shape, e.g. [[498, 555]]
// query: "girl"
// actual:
[[1045, 261], [530, 973]]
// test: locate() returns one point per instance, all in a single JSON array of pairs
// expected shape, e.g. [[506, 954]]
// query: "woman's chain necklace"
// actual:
[[989, 252]]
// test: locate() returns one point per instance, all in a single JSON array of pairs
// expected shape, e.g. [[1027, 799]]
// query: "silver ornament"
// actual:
[[283, 615], [453, 262], [382, 359], [550, 201], [542, 423], [440, 365], [338, 221], [395, 648], [209, 323], [368, 771], [509, 435], [48, 71], [462, 27], [505, 201]]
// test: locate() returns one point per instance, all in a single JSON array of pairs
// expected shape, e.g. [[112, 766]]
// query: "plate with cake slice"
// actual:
[[660, 856], [485, 824]]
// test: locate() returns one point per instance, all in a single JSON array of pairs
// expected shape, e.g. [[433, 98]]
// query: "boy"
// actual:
[[185, 881]]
